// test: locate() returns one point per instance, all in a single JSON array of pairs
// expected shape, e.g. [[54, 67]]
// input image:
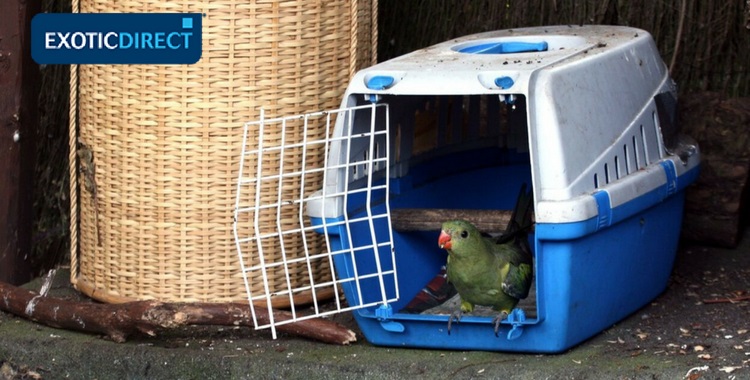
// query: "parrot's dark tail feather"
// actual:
[[520, 219]]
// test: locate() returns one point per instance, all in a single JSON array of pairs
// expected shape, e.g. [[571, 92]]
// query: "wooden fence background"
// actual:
[[706, 42]]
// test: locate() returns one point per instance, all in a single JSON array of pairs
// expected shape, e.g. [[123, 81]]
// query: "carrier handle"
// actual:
[[505, 47]]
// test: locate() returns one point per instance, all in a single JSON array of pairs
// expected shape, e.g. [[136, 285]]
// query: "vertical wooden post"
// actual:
[[19, 119]]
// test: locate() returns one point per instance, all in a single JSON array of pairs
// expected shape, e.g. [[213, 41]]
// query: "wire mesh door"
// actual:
[[295, 212]]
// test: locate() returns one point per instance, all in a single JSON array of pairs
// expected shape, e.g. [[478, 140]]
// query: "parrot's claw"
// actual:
[[500, 317], [455, 315]]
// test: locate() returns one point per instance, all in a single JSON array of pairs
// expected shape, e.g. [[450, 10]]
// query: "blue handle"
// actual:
[[505, 48]]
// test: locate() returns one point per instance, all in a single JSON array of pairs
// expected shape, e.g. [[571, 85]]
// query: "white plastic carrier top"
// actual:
[[590, 93]]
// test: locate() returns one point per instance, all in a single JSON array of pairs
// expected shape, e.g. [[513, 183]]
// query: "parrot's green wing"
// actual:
[[518, 281], [518, 260]]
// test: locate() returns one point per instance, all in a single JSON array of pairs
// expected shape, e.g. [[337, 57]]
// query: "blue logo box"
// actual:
[[116, 38]]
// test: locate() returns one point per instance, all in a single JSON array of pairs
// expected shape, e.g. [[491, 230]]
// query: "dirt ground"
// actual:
[[698, 328]]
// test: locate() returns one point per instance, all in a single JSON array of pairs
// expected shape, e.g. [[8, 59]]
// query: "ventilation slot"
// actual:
[[606, 173], [626, 154], [657, 133], [617, 167], [646, 157]]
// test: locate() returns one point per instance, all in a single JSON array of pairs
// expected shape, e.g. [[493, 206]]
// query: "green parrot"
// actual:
[[487, 271]]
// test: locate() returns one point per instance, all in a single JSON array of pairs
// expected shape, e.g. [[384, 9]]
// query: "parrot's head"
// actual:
[[457, 234]]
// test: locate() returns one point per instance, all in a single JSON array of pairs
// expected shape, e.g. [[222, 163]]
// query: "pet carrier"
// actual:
[[585, 115]]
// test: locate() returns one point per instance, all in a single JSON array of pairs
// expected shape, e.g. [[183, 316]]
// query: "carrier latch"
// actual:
[[384, 314], [378, 83], [516, 318]]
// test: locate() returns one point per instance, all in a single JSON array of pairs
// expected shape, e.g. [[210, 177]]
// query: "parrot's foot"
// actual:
[[500, 317], [455, 315]]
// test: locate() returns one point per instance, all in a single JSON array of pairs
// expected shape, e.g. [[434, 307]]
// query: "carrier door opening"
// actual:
[[454, 157]]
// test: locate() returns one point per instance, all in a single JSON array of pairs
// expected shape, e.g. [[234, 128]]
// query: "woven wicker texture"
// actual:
[[158, 146]]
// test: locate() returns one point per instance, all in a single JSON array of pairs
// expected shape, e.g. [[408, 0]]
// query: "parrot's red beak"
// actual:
[[444, 241]]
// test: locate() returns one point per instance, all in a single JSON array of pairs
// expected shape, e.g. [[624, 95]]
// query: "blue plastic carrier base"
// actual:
[[584, 283]]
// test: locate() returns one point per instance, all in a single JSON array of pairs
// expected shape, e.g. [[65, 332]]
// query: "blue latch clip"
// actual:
[[378, 83], [516, 318], [504, 82], [384, 314]]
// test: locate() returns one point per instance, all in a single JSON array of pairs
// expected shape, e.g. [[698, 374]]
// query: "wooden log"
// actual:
[[728, 300], [119, 321], [417, 219]]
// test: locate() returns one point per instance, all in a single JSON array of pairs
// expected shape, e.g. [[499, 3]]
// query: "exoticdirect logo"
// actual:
[[112, 38]]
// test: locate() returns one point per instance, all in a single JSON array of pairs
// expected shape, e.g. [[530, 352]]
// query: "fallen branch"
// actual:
[[728, 300], [119, 321]]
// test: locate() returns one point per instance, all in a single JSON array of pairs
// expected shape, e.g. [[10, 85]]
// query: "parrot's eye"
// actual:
[[464, 234]]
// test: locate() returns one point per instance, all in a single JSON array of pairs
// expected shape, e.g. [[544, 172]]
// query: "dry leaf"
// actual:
[[695, 373], [705, 356], [698, 348], [729, 369]]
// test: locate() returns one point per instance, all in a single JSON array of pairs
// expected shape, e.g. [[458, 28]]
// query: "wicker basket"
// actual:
[[157, 147]]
